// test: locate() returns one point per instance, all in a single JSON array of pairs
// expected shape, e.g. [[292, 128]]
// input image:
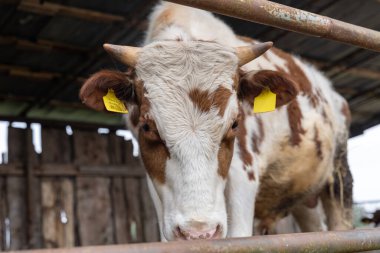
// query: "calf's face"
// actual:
[[183, 99]]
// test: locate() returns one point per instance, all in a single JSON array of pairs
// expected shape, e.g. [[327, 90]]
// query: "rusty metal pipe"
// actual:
[[338, 241], [292, 19]]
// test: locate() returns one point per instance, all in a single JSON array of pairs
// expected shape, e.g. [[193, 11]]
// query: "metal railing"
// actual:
[[338, 241], [292, 19]]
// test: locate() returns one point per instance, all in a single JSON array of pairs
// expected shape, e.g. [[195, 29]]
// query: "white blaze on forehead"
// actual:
[[170, 70]]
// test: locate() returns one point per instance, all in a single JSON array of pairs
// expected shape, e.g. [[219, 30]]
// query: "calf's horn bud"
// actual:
[[249, 53], [124, 54]]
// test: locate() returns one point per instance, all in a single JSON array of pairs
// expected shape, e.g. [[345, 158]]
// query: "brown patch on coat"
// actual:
[[134, 115], [257, 139], [253, 83], [251, 176], [296, 73], [299, 76], [345, 110], [241, 135], [225, 153], [295, 123], [318, 144], [275, 200], [142, 101], [154, 152], [203, 100]]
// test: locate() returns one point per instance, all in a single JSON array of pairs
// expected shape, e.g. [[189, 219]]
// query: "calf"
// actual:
[[212, 163]]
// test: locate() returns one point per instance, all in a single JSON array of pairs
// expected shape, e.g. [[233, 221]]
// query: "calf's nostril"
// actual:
[[195, 234]]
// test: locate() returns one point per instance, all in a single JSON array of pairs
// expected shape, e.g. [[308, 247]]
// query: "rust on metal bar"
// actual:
[[292, 19], [338, 241]]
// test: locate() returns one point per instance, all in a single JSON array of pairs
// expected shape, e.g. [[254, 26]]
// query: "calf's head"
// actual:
[[184, 99]]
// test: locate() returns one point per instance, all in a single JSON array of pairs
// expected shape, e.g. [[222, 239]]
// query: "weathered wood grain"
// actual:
[[2, 213], [33, 196], [132, 192], [149, 217], [66, 235], [93, 193], [90, 148], [120, 214], [94, 211], [16, 190], [50, 215], [58, 218]]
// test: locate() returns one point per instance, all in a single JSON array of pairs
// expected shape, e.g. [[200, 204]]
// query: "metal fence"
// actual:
[[342, 241], [292, 19]]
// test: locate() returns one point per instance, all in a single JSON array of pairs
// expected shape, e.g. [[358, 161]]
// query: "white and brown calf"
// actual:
[[212, 164]]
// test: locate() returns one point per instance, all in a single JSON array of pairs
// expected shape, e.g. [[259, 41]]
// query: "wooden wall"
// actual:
[[83, 189]]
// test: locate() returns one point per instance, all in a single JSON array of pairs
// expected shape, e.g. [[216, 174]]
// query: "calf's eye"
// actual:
[[145, 127], [234, 125]]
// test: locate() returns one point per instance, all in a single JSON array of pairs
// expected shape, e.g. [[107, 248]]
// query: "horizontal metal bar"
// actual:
[[292, 19], [338, 241]]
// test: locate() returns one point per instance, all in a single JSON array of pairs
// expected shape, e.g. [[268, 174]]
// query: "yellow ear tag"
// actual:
[[113, 104], [265, 102]]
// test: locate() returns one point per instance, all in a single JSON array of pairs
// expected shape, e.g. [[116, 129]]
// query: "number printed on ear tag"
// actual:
[[113, 104], [265, 102]]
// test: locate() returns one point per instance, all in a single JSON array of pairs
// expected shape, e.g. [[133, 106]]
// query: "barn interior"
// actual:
[[49, 47]]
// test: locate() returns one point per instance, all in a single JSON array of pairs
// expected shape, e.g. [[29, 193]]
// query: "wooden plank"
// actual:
[[57, 194], [58, 213], [33, 197], [70, 170], [66, 228], [109, 170], [16, 190], [93, 195], [119, 205], [11, 170], [94, 211], [132, 192], [115, 148], [120, 213], [51, 151], [51, 9], [40, 45], [90, 148], [150, 221], [49, 215], [2, 213]]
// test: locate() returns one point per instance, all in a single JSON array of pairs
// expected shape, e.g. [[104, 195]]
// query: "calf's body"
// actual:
[[285, 158], [213, 165]]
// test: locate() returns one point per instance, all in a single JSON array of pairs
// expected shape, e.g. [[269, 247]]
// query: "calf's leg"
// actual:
[[241, 192], [337, 194]]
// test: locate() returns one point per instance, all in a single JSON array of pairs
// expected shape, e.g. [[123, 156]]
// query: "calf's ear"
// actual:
[[252, 83], [98, 84]]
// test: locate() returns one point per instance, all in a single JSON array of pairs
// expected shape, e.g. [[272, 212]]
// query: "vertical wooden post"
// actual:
[[150, 221], [93, 195], [16, 190], [2, 213], [33, 195], [119, 204], [58, 219]]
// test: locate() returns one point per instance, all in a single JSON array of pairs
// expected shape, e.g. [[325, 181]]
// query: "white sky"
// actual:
[[364, 160], [363, 157]]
